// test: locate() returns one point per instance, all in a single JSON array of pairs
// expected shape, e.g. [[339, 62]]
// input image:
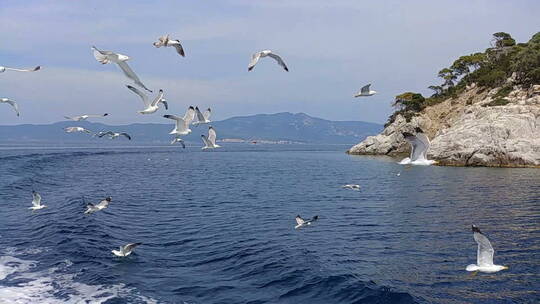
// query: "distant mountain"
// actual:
[[267, 127]]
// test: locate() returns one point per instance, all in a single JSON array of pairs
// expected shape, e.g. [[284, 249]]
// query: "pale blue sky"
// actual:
[[332, 49]]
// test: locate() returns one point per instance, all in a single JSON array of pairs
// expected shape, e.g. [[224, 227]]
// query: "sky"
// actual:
[[332, 48]]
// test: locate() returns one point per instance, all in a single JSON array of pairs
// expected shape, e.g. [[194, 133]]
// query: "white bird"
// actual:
[[113, 135], [300, 222], [182, 123], [177, 139], [484, 255], [419, 147], [85, 116], [210, 142], [125, 250], [3, 69], [365, 91], [77, 129], [105, 57], [91, 208], [12, 103], [398, 174], [36, 201], [255, 58], [202, 118], [150, 106], [166, 41], [351, 187]]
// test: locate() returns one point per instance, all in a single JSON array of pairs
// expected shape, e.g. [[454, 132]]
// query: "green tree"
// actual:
[[502, 39]]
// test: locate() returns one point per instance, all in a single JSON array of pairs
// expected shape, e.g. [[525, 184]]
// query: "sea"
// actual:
[[218, 227]]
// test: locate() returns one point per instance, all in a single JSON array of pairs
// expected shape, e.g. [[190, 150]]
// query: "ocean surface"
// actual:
[[218, 227]]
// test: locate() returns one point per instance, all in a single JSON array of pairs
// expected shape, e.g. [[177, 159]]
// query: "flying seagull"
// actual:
[[91, 208], [300, 222], [419, 147], [365, 91], [202, 118], [85, 116], [255, 58], [113, 135], [351, 187], [3, 69], [182, 123], [166, 41], [210, 142], [105, 57], [77, 129], [36, 201], [177, 139], [150, 106], [125, 250], [484, 255], [12, 103]]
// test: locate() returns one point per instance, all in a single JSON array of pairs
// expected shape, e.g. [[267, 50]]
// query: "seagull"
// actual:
[[179, 140], [85, 116], [77, 129], [365, 91], [302, 222], [166, 41], [182, 123], [419, 147], [91, 208], [3, 69], [12, 103], [210, 142], [351, 186], [113, 135], [125, 250], [150, 106], [202, 118], [255, 58], [105, 57], [36, 201], [484, 255], [398, 174]]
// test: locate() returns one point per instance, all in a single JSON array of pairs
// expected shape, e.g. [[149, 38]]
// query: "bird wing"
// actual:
[[365, 89], [141, 94], [418, 147], [200, 116], [190, 115], [180, 122], [96, 115], [101, 134], [131, 75], [279, 61], [158, 99], [126, 135], [299, 220], [101, 56], [14, 105], [485, 250], [24, 70], [206, 114], [205, 141], [254, 59], [425, 141], [36, 198], [130, 247], [212, 136], [179, 48], [164, 102]]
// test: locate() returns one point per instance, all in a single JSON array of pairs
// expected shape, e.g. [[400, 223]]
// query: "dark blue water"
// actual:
[[217, 227]]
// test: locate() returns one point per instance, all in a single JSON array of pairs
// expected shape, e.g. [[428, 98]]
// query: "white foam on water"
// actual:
[[20, 283]]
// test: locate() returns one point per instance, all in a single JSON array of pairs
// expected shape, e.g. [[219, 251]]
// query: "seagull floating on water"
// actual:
[[484, 255], [150, 106], [210, 142], [113, 135], [202, 118], [91, 208], [36, 201], [12, 103], [3, 69], [177, 139], [166, 41], [105, 57], [85, 116], [77, 129], [351, 187], [419, 147], [255, 58], [182, 123], [365, 91], [125, 250], [300, 222]]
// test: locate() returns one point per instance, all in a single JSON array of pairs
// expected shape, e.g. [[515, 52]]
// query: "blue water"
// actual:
[[217, 227]]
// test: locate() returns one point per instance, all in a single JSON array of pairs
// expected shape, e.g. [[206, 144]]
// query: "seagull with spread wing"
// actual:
[[255, 58], [419, 147], [484, 255], [4, 68], [125, 250], [91, 208], [77, 130], [36, 202], [150, 106], [202, 118], [105, 57], [113, 135], [365, 91], [300, 222], [210, 141], [85, 116], [12, 103], [166, 41], [182, 123], [177, 139]]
